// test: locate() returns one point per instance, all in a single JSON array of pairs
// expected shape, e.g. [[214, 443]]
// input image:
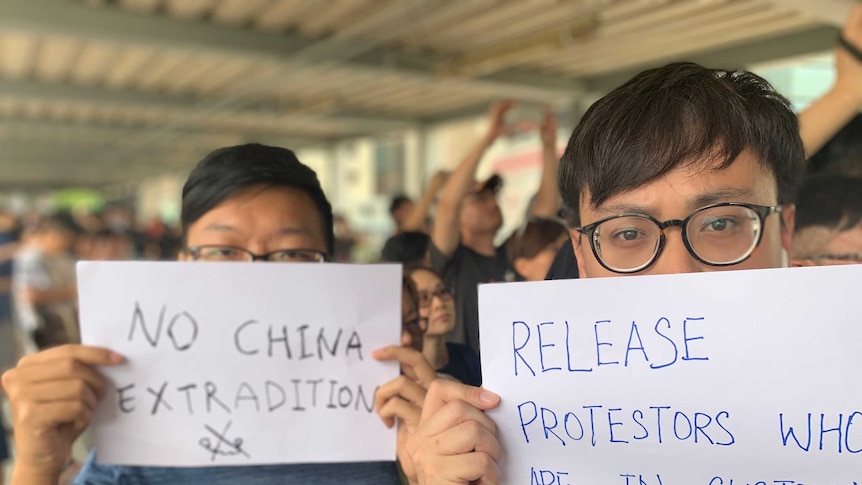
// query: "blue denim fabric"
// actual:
[[376, 473]]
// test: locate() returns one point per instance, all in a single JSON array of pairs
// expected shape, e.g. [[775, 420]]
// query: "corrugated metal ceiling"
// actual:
[[108, 82]]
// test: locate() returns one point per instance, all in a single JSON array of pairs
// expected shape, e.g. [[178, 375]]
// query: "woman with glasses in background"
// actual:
[[437, 309]]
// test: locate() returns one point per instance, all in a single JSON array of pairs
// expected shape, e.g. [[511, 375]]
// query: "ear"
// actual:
[[788, 225], [579, 252]]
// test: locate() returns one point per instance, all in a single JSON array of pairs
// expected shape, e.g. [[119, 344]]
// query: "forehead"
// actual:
[[264, 211], [424, 278], [691, 186]]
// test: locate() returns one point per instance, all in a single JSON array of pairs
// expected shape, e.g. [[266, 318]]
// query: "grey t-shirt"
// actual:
[[463, 272]]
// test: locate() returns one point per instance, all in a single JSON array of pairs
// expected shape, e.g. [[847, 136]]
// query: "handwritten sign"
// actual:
[[241, 364], [725, 378]]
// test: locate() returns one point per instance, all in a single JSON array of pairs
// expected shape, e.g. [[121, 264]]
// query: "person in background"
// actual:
[[345, 240], [843, 153], [682, 169], [400, 207], [535, 246], [565, 266], [243, 203], [407, 248], [8, 246], [43, 284], [828, 221], [437, 307], [468, 218], [834, 110]]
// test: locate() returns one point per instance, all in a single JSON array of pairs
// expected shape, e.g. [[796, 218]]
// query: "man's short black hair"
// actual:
[[677, 115], [843, 153], [831, 201], [398, 201], [406, 248], [227, 171]]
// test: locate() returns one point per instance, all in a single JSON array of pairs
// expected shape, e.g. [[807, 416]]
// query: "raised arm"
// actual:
[[548, 199], [445, 235], [415, 221], [826, 116]]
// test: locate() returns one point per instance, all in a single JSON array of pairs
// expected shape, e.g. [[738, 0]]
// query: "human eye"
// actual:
[[720, 226], [220, 253], [295, 256], [628, 237]]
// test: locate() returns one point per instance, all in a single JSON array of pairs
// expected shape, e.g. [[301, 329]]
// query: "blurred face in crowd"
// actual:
[[260, 219], [55, 240], [817, 246], [411, 321], [400, 214], [481, 213], [435, 302], [537, 267], [676, 195]]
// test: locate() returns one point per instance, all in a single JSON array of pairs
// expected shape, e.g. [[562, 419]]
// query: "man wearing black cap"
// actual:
[[468, 218]]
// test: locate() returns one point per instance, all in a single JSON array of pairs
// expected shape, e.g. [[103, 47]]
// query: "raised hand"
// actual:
[[53, 395], [456, 443]]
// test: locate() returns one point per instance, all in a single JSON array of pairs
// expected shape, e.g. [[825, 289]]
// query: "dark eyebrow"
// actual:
[[220, 228], [287, 231], [730, 194], [615, 209]]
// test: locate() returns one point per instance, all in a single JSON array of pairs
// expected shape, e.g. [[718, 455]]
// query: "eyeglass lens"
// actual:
[[716, 235]]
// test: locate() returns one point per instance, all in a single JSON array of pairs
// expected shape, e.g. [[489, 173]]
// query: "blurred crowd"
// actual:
[[449, 241]]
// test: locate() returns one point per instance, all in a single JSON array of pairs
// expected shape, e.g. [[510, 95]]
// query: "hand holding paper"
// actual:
[[53, 394], [456, 442]]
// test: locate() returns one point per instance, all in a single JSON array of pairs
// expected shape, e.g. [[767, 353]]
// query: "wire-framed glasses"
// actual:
[[216, 252]]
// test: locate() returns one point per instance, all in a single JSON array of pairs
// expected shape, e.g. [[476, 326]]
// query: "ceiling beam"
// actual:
[[831, 11], [354, 122], [806, 42], [67, 18]]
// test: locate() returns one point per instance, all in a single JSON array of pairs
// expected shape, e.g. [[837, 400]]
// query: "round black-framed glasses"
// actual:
[[722, 234], [221, 252]]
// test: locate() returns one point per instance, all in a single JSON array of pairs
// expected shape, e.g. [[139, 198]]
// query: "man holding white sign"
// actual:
[[681, 170], [247, 203]]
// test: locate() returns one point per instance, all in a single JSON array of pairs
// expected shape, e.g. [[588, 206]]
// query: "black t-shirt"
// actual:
[[463, 365], [565, 265], [463, 273]]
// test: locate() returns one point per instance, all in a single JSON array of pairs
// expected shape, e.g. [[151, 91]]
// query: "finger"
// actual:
[[85, 354], [413, 363], [403, 387], [467, 437], [399, 408], [467, 468], [443, 391], [53, 414], [70, 390], [452, 415], [60, 370]]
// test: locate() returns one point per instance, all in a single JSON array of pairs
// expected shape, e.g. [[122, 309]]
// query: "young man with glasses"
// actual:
[[246, 203], [682, 169]]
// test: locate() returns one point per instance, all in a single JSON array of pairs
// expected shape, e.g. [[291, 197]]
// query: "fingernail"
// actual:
[[376, 353], [488, 397], [115, 358]]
